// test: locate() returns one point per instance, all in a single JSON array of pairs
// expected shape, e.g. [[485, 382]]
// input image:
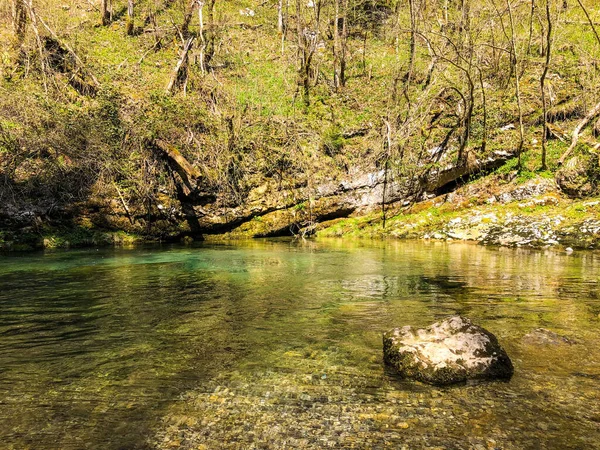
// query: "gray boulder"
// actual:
[[451, 351]]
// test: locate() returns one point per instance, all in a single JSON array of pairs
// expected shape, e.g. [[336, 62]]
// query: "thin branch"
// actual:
[[590, 21]]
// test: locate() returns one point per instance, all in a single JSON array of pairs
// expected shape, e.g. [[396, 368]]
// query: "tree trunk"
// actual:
[[387, 143], [466, 120], [344, 42], [543, 83], [104, 13], [188, 173], [590, 21], [43, 63], [303, 56], [210, 33], [531, 14], [485, 112], [201, 34], [130, 20], [282, 14], [280, 17], [413, 50], [517, 73], [187, 19], [19, 21], [336, 46]]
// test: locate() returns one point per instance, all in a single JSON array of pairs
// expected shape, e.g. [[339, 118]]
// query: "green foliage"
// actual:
[[333, 141]]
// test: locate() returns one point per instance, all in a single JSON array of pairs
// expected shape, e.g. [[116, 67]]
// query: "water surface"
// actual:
[[277, 344]]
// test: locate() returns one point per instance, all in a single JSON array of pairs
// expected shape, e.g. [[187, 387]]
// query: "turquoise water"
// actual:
[[277, 344]]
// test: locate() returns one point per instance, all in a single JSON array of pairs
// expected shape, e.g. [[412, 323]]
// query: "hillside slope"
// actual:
[[160, 126]]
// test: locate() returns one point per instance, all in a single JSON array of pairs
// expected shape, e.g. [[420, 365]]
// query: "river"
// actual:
[[277, 344]]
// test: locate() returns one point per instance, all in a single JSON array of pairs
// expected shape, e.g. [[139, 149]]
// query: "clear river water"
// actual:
[[273, 344]]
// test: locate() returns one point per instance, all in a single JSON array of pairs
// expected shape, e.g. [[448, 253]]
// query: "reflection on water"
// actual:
[[277, 344]]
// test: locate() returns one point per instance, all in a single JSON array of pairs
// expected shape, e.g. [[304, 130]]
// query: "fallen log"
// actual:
[[188, 173], [180, 66], [554, 131], [577, 131]]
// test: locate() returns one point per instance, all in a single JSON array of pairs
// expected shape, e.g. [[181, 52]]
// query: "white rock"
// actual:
[[247, 12], [449, 351]]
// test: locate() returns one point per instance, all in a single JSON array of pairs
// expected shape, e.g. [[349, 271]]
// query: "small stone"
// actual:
[[569, 250]]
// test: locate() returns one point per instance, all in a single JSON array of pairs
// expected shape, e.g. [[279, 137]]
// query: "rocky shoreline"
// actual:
[[520, 231], [533, 215]]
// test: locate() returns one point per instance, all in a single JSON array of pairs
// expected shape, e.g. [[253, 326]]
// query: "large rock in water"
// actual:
[[451, 351]]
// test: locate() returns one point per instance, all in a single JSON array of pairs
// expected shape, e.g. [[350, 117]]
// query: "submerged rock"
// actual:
[[451, 351], [542, 336]]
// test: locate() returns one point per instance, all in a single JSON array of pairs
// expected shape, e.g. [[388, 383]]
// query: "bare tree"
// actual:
[[180, 72], [517, 73], [187, 20], [340, 38], [413, 51], [40, 46], [590, 21], [594, 112], [201, 34], [465, 66], [387, 149], [543, 83], [280, 23], [531, 14], [336, 46], [210, 32], [344, 45], [307, 44]]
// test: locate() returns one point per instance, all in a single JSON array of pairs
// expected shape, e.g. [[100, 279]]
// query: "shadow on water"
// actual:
[[445, 284]]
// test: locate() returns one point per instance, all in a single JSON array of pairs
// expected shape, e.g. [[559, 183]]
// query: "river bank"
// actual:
[[491, 211]]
